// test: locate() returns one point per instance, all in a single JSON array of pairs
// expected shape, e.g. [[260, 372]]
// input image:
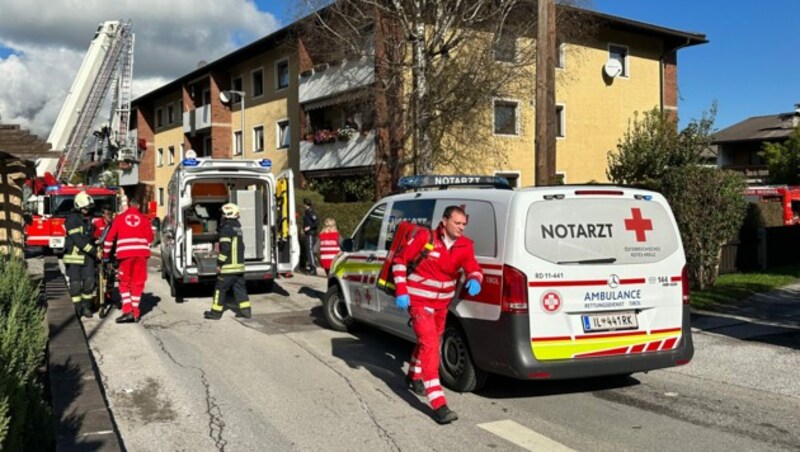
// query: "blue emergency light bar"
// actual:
[[190, 162], [266, 163], [443, 182]]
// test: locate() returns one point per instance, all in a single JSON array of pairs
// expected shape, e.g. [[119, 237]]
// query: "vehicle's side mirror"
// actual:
[[347, 245]]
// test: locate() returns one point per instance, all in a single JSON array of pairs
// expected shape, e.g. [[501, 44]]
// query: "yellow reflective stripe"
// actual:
[[215, 306], [77, 230], [244, 304], [87, 248], [382, 282], [76, 299], [73, 259], [233, 268], [225, 239], [88, 296], [222, 258], [429, 246], [568, 348], [355, 266], [234, 250]]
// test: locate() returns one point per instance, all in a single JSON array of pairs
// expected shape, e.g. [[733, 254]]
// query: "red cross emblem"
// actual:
[[638, 224], [132, 220], [551, 301]]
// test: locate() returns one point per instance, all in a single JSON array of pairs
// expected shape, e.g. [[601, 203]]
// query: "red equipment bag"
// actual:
[[405, 231]]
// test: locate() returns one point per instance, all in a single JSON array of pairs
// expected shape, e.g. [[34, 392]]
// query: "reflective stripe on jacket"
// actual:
[[231, 248], [133, 234], [77, 243], [328, 248]]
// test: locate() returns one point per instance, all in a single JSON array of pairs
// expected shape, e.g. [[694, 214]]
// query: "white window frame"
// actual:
[[160, 157], [253, 82], [504, 173], [562, 121], [516, 133], [561, 62], [238, 143], [626, 64], [278, 75], [278, 144], [161, 196], [256, 129], [171, 155]]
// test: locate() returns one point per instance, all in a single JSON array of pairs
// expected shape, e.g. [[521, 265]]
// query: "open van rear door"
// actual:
[[287, 244]]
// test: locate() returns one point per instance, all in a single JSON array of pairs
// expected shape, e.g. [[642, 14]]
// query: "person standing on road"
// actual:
[[427, 293], [133, 235], [80, 254], [230, 266], [310, 224], [329, 244]]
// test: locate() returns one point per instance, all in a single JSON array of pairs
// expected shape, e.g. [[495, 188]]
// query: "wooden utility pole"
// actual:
[[545, 152]]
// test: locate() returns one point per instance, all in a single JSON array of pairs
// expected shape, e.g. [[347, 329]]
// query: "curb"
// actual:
[[81, 417]]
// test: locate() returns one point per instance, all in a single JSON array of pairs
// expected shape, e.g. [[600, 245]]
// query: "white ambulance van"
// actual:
[[579, 281], [197, 191]]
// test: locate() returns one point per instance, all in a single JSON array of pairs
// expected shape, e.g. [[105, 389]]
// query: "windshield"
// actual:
[[61, 206]]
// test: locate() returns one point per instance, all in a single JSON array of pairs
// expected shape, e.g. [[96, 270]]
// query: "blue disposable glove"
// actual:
[[473, 287], [402, 301]]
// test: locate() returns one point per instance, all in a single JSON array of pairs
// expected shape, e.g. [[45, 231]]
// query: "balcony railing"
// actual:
[[197, 120], [355, 152], [335, 80]]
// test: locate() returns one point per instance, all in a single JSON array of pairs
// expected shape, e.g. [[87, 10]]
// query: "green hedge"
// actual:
[[25, 422], [763, 215], [346, 214]]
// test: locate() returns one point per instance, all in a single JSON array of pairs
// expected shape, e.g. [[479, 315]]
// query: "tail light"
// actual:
[[685, 284], [515, 291]]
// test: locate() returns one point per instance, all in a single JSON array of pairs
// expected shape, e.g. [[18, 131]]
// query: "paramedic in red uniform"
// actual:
[[427, 292], [132, 232]]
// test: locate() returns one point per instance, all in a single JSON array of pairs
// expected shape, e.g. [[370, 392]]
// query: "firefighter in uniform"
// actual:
[[133, 235], [230, 266], [427, 292], [80, 254]]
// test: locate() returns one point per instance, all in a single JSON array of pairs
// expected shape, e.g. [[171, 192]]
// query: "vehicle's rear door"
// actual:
[[287, 245]]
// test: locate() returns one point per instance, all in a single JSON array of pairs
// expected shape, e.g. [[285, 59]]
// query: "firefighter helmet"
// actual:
[[230, 210], [83, 201]]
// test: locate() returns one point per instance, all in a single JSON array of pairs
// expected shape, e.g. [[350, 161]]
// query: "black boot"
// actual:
[[416, 386], [126, 318], [86, 309], [212, 315], [244, 313], [444, 415]]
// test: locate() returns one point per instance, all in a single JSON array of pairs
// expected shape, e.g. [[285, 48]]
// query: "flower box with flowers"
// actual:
[[345, 133], [324, 136]]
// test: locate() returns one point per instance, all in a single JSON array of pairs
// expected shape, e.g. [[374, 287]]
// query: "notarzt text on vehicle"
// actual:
[[576, 231]]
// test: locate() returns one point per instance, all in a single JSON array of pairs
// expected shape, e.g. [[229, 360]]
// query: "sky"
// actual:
[[749, 66]]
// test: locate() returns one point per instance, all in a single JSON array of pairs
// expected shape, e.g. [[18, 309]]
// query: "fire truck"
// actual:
[[107, 67], [787, 195]]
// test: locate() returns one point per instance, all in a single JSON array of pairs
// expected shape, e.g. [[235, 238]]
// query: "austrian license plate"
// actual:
[[57, 242], [610, 321]]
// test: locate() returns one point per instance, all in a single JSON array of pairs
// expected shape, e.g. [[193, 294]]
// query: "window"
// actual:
[[237, 143], [170, 114], [283, 134], [505, 48], [160, 196], [561, 122], [257, 79], [258, 139], [619, 53], [505, 117], [417, 211], [172, 155], [159, 118], [480, 223], [160, 157], [206, 97], [282, 74], [560, 55], [206, 149], [366, 238]]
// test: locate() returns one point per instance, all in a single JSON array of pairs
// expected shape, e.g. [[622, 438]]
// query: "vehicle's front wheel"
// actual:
[[457, 370], [335, 311]]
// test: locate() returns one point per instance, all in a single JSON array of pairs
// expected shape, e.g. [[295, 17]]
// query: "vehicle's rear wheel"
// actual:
[[335, 311], [457, 370], [163, 270]]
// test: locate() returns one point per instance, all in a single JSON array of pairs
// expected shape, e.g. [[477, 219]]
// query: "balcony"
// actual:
[[330, 81], [197, 120], [355, 152]]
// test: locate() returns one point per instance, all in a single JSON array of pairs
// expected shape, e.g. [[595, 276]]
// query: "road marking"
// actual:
[[523, 436]]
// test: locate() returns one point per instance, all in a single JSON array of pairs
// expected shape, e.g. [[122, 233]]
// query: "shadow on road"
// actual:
[[501, 387], [312, 293], [747, 330]]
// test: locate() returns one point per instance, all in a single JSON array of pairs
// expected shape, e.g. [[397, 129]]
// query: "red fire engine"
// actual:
[[787, 195]]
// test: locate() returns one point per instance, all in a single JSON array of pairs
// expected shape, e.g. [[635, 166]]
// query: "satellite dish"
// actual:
[[612, 68], [190, 154], [224, 96]]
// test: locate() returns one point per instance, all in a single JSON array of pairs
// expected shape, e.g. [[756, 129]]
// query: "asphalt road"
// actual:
[[282, 381]]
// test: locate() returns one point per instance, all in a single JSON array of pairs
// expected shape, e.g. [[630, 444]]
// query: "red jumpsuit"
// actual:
[[431, 287], [328, 248], [133, 235]]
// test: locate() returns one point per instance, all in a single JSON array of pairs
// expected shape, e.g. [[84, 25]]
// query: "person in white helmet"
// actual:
[[230, 266], [80, 254]]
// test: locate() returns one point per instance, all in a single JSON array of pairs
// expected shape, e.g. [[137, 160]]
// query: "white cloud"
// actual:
[[51, 38]]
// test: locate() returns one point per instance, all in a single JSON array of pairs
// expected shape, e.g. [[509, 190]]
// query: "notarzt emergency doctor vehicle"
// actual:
[[197, 191], [579, 281]]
